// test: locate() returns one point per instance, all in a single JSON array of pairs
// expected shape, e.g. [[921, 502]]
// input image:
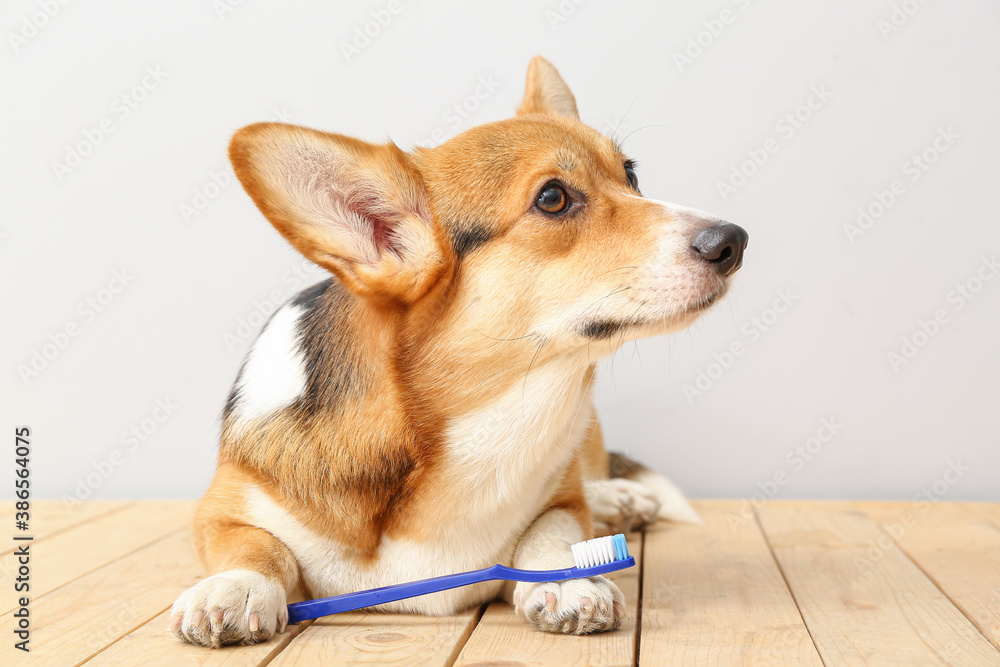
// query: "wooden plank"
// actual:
[[79, 619], [504, 638], [957, 545], [134, 632], [863, 600], [86, 547], [48, 517], [713, 595], [153, 645], [7, 513], [379, 639]]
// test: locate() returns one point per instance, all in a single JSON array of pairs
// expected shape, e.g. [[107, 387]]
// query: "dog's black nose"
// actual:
[[722, 245]]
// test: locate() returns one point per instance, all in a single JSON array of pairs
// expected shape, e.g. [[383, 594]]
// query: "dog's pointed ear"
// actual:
[[546, 92], [357, 209]]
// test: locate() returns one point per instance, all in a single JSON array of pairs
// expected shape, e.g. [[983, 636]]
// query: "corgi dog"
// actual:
[[427, 410]]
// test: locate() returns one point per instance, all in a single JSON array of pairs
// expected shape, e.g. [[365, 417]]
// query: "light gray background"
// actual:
[[163, 336]]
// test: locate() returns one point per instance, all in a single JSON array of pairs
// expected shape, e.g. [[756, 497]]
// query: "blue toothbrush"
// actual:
[[593, 557]]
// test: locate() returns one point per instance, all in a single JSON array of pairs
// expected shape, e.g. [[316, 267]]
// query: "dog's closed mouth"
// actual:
[[604, 329]]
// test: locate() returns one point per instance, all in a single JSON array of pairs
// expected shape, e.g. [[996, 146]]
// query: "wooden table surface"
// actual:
[[788, 582]]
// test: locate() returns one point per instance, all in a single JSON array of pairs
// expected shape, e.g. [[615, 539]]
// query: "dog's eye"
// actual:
[[552, 198], [633, 180]]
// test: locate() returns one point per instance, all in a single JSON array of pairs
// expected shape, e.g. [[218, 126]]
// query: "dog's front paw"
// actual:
[[620, 505], [234, 607], [574, 607]]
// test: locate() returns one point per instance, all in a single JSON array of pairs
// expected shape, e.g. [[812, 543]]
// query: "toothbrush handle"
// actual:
[[303, 611]]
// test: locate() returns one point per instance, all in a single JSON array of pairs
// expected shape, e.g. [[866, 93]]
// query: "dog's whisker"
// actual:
[[621, 339], [614, 135], [524, 385], [645, 127], [620, 268], [507, 340], [600, 302]]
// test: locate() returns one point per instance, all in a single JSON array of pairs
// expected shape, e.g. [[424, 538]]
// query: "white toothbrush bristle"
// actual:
[[598, 551]]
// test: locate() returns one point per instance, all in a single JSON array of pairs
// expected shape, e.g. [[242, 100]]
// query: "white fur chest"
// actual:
[[506, 459], [503, 463]]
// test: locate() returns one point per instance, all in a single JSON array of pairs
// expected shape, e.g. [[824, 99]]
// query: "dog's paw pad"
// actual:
[[619, 505], [574, 607], [234, 607]]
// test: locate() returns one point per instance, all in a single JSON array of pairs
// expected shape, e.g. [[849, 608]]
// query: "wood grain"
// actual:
[[713, 595], [90, 545], [876, 583], [152, 645], [957, 545], [79, 619], [48, 518], [131, 602], [864, 601], [503, 638], [379, 639]]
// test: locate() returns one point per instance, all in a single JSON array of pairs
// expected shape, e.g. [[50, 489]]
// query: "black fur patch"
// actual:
[[307, 297], [601, 329], [468, 238], [331, 361], [620, 465], [234, 395]]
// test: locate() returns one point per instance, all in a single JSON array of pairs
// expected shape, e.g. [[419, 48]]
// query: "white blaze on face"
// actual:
[[695, 215], [675, 280], [681, 225], [274, 374]]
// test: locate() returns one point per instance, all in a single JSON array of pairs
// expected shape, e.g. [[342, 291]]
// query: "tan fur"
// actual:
[[260, 152], [569, 498], [227, 540], [453, 294], [456, 371], [594, 458], [546, 92]]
